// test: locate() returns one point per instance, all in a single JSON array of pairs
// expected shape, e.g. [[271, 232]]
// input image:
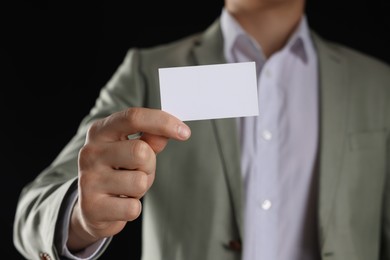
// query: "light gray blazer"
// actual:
[[195, 206]]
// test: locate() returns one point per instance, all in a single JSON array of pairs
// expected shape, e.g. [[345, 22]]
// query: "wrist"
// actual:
[[79, 238]]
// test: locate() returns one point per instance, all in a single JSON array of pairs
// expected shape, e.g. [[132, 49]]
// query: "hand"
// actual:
[[115, 171]]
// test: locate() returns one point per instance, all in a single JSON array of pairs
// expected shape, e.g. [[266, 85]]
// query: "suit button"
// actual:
[[44, 256], [235, 245]]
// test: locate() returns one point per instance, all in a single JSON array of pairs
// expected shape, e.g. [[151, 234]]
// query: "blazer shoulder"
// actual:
[[365, 61], [357, 59], [174, 53]]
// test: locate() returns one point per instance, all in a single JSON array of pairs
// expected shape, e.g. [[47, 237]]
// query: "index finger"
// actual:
[[136, 119]]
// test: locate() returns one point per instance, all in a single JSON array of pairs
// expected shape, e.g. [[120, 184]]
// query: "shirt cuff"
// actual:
[[89, 252]]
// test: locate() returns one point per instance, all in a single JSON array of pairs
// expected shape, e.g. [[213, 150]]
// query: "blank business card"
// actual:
[[209, 91]]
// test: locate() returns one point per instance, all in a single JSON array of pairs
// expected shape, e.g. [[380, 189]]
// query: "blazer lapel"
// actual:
[[209, 46], [333, 115], [226, 134], [209, 50]]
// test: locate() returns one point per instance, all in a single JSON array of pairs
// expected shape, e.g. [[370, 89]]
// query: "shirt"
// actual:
[[279, 147]]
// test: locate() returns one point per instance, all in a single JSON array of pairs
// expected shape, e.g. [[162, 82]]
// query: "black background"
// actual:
[[56, 55]]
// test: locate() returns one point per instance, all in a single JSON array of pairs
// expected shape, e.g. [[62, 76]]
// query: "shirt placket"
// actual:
[[266, 167]]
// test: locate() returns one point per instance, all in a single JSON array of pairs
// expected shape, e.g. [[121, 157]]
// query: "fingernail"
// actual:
[[183, 131]]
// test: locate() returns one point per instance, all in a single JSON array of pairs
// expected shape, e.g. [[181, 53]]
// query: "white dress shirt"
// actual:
[[279, 146]]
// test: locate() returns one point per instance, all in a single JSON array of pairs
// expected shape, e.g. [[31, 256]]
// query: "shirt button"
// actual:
[[266, 205], [267, 135]]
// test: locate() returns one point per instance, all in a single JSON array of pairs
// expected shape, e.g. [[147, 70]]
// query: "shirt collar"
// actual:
[[299, 42]]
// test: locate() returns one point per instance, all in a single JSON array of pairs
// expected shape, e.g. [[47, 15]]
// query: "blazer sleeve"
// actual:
[[385, 246], [40, 204]]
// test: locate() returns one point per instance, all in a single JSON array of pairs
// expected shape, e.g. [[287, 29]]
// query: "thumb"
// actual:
[[156, 142]]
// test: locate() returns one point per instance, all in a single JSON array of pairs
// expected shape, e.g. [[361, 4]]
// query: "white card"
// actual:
[[209, 91]]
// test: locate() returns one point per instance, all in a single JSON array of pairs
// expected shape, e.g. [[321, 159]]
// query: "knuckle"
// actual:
[[93, 129], [132, 114], [87, 152], [141, 182], [88, 155], [141, 150], [134, 209]]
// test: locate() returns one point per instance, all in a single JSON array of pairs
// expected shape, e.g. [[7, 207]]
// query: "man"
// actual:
[[307, 179]]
